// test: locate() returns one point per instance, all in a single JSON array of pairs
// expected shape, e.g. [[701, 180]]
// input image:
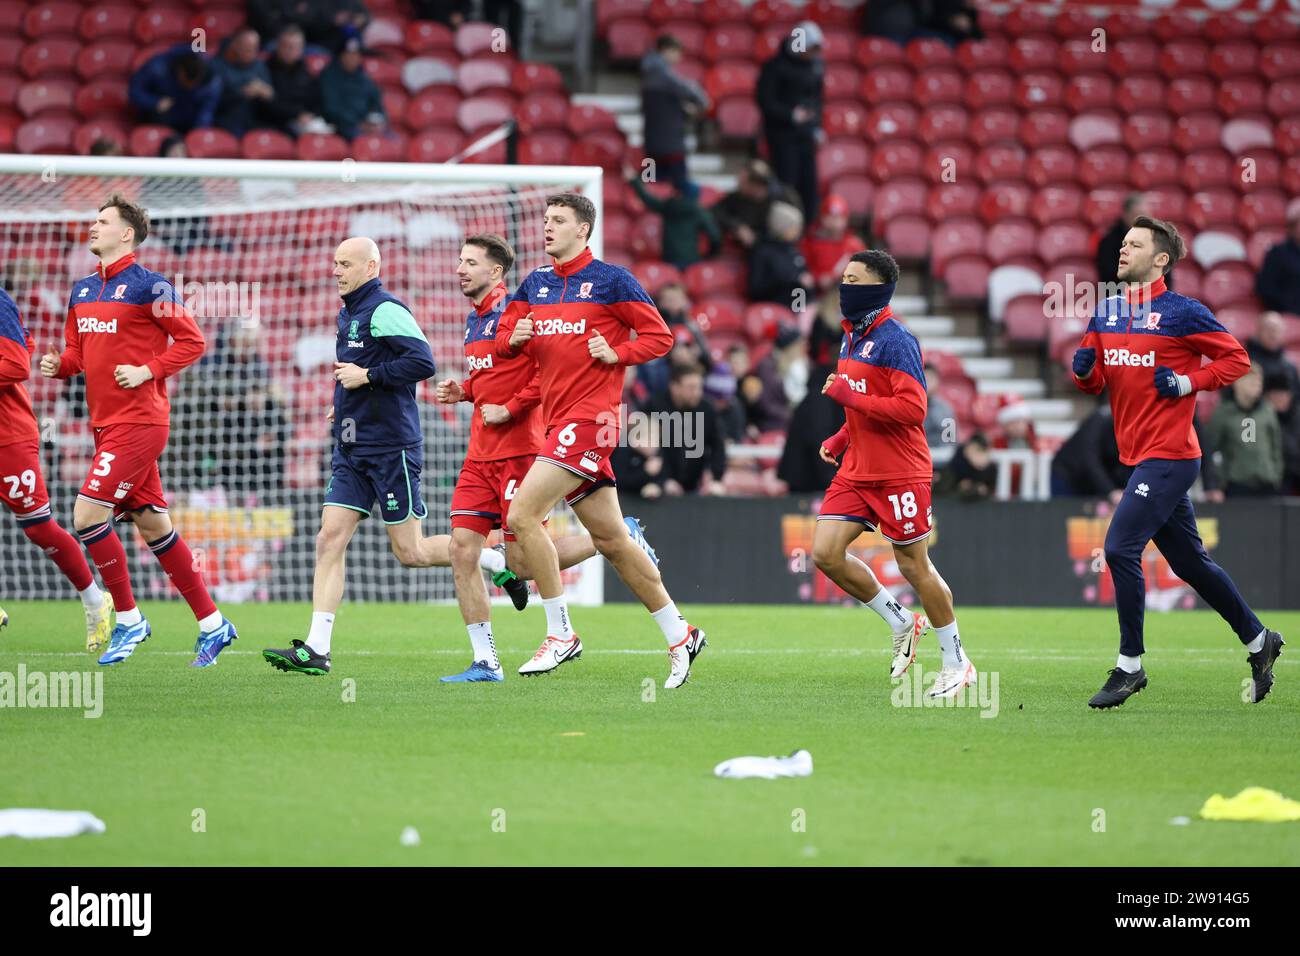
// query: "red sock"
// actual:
[[61, 548], [175, 557], [105, 549]]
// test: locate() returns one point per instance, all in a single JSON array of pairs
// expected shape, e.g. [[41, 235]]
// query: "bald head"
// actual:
[[356, 262]]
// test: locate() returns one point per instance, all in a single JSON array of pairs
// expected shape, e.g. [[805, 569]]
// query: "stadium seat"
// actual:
[[102, 98], [1090, 91], [112, 19], [1103, 204], [843, 81], [948, 200], [159, 24], [1241, 136], [1044, 128], [1262, 209], [1076, 56], [1210, 208], [52, 133], [892, 120], [654, 275], [1177, 25], [1208, 168], [989, 87], [1209, 248], [1104, 166], [147, 140], [1009, 238], [50, 94], [662, 11], [528, 78], [647, 241], [1148, 126], [1090, 130], [938, 86], [891, 83], [844, 118], [267, 144], [1291, 175], [722, 315], [1197, 131], [721, 11], [388, 33], [1051, 164], [946, 161], [928, 52], [1055, 202], [1235, 58], [892, 158], [1190, 94], [1034, 52], [714, 277], [1241, 94], [990, 53], [943, 123], [954, 237], [219, 21], [1000, 161], [738, 117], [1154, 167], [967, 278], [543, 110], [996, 125], [476, 76], [549, 148], [629, 39], [432, 106], [474, 38], [1168, 202], [434, 145], [51, 17], [587, 119], [1065, 240], [857, 190], [479, 113], [1284, 97], [733, 78], [211, 144], [907, 237], [1131, 54], [11, 49], [898, 197], [51, 55], [1140, 91], [1228, 283], [1288, 135], [872, 52], [1007, 282], [420, 72], [104, 59], [1280, 61], [1184, 57], [377, 148], [1040, 90], [844, 158], [729, 41], [1024, 321], [89, 133]]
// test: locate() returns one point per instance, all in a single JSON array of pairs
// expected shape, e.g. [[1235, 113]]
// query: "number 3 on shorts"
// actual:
[[904, 505], [105, 464], [568, 435]]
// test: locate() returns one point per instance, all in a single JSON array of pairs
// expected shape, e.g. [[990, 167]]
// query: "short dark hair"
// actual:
[[191, 67], [137, 217], [679, 372], [497, 249], [880, 262], [1165, 236], [581, 205], [667, 41]]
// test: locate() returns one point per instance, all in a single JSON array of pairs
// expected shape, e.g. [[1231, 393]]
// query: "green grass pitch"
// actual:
[[578, 767]]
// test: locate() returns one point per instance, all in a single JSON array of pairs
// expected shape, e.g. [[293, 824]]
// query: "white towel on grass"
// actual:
[[798, 764], [39, 824]]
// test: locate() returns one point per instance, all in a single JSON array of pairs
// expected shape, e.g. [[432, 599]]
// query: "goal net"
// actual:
[[249, 246]]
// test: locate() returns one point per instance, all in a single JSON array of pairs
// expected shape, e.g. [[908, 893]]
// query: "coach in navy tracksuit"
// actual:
[[1146, 347]]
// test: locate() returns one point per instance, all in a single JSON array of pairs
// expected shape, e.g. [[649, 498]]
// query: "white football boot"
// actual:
[[905, 645], [952, 680], [680, 656], [551, 655], [99, 624]]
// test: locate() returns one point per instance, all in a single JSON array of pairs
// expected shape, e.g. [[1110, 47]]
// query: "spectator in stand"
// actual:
[[802, 467], [829, 243], [1245, 432], [971, 473], [790, 87], [826, 335], [105, 146], [325, 23], [667, 101], [352, 102], [639, 465], [296, 106], [674, 305], [1015, 430], [245, 83], [765, 391], [777, 270], [1267, 349], [902, 20], [1278, 282], [940, 419], [1088, 465], [742, 214], [252, 423], [693, 449], [1135, 204], [173, 147], [506, 13], [735, 419], [176, 88], [1278, 393], [685, 221]]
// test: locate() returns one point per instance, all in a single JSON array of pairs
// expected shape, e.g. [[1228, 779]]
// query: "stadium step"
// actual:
[[1055, 429], [908, 304], [929, 325], [953, 345], [1051, 408], [614, 102], [989, 367], [1024, 387]]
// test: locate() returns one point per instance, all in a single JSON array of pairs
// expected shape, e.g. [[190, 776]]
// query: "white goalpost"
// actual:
[[249, 245]]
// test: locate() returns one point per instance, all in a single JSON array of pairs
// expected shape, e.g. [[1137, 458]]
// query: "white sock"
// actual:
[[491, 561], [1129, 665], [950, 644], [211, 622], [671, 623], [322, 627], [557, 618], [92, 597], [1257, 644], [890, 611], [485, 649], [130, 618]]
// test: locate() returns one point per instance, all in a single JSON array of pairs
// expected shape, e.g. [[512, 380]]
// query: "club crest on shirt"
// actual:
[[866, 349], [82, 294], [584, 291], [1153, 320], [119, 291]]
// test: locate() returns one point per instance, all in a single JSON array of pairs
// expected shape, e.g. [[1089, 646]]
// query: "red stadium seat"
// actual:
[[937, 85], [1065, 240], [1000, 161], [588, 119], [735, 78], [1280, 61], [843, 81], [898, 197], [844, 157], [1262, 209], [721, 11], [967, 278], [690, 34], [887, 84], [476, 76], [729, 41], [1104, 166], [1288, 135], [1227, 284], [1086, 91], [908, 238], [1103, 205], [1132, 54], [946, 162], [768, 41], [478, 113], [654, 275], [1211, 208], [1197, 131], [1224, 27], [989, 87], [1176, 26], [738, 117], [385, 33], [661, 11], [376, 148], [395, 102], [543, 110], [837, 47], [1071, 21], [1049, 165], [1148, 127], [1189, 94], [872, 52], [1025, 21], [528, 78], [1140, 91], [106, 20], [1236, 58], [549, 148], [1247, 133], [943, 122], [1184, 57], [219, 22], [892, 159], [432, 106], [1284, 97], [604, 148], [629, 39], [51, 55], [1054, 203], [857, 190], [147, 140], [268, 144], [159, 24], [712, 277], [845, 118], [997, 125], [1241, 94], [1090, 130], [928, 52], [47, 95], [991, 52], [1258, 244], [435, 145], [414, 74], [1077, 56], [104, 59], [11, 48], [1005, 200], [890, 121], [475, 38], [421, 37], [1025, 320], [1208, 169], [89, 133], [952, 200], [51, 17], [1262, 169], [953, 238], [1276, 30], [1035, 52], [101, 98], [1040, 90], [1154, 167], [1291, 175], [211, 144], [1044, 128]]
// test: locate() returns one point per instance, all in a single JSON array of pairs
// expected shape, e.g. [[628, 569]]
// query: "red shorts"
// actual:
[[484, 490], [584, 449], [900, 509], [124, 473], [21, 486]]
